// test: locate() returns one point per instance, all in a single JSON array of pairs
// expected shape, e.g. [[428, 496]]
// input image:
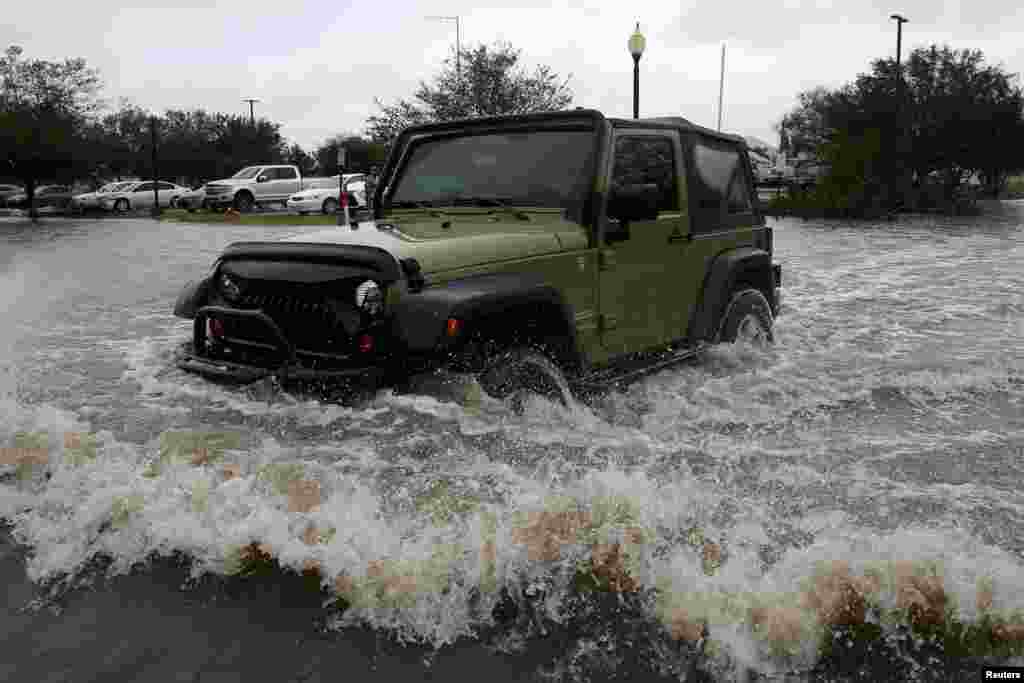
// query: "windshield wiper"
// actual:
[[491, 201]]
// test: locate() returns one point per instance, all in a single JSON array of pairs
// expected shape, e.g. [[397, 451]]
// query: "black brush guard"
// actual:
[[284, 363]]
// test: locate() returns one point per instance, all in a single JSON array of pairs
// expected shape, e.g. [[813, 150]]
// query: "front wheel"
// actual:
[[243, 202], [748, 318], [121, 206], [523, 372], [330, 206]]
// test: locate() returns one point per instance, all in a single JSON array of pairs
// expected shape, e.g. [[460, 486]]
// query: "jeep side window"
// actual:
[[739, 194], [720, 186], [645, 159], [285, 174]]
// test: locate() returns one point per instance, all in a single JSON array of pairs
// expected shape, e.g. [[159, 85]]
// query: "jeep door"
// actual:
[[638, 290]]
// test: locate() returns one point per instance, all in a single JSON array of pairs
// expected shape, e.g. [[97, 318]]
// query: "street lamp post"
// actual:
[[636, 48], [252, 114], [900, 20]]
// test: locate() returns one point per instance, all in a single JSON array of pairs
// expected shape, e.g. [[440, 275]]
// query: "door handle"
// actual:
[[672, 239]]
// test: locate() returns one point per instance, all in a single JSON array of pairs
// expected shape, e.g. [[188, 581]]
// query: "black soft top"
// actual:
[[571, 115], [676, 123]]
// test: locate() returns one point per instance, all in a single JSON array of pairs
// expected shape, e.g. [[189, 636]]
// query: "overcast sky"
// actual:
[[316, 65]]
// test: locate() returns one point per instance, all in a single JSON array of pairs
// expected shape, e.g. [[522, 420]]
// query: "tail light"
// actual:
[[215, 327], [365, 343]]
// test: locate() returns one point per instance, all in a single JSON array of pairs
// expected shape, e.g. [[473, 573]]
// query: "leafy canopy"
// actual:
[[483, 82]]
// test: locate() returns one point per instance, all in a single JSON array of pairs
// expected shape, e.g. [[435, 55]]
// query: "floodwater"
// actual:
[[886, 425]]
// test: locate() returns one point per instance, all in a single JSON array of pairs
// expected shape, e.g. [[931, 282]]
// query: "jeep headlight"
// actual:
[[370, 297]]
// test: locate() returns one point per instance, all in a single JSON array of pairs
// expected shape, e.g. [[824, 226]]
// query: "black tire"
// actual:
[[748, 317], [330, 206], [173, 204], [122, 206], [522, 371], [244, 202]]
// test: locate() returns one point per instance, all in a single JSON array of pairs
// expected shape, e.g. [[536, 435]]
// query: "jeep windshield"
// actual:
[[541, 168], [249, 172]]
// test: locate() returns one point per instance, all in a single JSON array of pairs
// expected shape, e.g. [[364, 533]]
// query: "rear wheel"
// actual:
[[522, 372], [748, 318], [330, 205]]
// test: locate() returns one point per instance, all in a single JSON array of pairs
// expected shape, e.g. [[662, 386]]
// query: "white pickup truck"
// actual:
[[260, 184]]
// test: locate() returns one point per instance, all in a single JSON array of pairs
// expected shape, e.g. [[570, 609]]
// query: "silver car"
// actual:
[[92, 200], [139, 195]]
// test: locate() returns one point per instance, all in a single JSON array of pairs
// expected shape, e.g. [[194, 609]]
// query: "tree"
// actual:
[[45, 109], [297, 156], [240, 143], [361, 154], [489, 85], [946, 115], [803, 129]]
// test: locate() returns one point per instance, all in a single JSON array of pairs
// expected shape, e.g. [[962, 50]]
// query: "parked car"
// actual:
[[324, 197], [139, 195], [547, 254], [7, 191], [56, 196], [255, 185], [92, 200], [191, 200]]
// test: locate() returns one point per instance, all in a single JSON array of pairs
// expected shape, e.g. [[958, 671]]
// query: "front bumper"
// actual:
[[306, 204], [283, 362]]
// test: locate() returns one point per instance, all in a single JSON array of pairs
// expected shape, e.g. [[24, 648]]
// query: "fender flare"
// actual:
[[742, 264], [194, 295], [419, 319]]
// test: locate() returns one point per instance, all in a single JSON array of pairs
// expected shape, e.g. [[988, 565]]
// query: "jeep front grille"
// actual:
[[310, 323], [287, 305]]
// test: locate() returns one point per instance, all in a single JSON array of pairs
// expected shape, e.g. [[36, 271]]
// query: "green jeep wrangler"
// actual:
[[552, 253]]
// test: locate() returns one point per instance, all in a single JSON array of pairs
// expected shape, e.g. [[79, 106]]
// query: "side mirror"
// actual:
[[261, 179], [634, 202]]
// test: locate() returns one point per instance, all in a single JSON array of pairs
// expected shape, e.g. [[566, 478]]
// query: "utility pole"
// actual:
[[721, 87], [458, 47], [252, 114]]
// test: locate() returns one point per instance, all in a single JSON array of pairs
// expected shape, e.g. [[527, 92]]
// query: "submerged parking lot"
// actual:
[[886, 425]]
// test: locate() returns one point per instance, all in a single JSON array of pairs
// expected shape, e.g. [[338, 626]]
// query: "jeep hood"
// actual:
[[466, 243]]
